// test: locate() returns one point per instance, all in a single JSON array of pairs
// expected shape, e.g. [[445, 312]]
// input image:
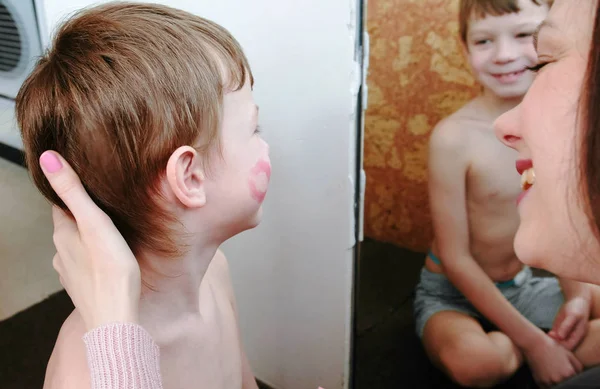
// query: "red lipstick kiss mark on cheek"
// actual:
[[259, 180]]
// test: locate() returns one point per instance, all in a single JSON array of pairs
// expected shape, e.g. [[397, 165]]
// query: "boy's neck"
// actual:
[[171, 286], [496, 105]]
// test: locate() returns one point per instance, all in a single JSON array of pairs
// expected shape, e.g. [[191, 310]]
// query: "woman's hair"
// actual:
[[590, 161], [122, 87]]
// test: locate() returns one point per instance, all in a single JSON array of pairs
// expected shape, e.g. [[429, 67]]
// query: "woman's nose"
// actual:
[[507, 130]]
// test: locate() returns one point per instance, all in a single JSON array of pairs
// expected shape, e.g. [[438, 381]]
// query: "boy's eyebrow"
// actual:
[[545, 23]]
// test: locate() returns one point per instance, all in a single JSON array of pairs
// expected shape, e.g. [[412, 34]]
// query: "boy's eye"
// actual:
[[482, 41], [257, 130]]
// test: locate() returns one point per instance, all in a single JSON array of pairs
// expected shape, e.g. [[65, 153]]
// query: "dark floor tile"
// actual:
[[27, 340], [388, 276]]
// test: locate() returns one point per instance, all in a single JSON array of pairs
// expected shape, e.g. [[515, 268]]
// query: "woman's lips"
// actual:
[[523, 164]]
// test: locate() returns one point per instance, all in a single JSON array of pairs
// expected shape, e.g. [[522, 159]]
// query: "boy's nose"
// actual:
[[506, 51]]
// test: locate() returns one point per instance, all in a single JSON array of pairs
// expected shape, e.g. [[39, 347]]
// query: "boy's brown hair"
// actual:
[[123, 86], [482, 8]]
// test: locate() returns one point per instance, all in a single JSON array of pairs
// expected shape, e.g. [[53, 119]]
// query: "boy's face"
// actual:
[[500, 48], [239, 180]]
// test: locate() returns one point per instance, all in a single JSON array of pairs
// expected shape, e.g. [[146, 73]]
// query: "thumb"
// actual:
[[63, 223]]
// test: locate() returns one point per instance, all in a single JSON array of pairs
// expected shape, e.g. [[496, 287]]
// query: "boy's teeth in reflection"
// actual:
[[527, 179]]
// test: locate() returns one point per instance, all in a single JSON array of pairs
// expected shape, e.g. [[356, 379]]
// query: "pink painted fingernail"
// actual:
[[50, 162]]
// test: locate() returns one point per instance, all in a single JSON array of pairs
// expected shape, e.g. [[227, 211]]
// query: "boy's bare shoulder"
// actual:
[[454, 133], [67, 367]]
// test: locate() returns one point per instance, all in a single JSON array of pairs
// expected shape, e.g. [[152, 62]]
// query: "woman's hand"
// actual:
[[571, 323], [95, 264], [550, 362]]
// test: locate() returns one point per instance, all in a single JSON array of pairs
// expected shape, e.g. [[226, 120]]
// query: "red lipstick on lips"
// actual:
[[523, 164]]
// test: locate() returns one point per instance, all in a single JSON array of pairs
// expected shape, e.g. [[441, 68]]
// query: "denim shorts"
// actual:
[[537, 298]]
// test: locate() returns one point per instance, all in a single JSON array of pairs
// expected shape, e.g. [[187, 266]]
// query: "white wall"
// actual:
[[293, 274]]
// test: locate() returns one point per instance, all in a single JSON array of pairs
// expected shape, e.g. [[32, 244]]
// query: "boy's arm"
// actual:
[[248, 379], [448, 167]]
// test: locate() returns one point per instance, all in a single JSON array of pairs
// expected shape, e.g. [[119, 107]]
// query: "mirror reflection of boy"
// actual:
[[471, 271]]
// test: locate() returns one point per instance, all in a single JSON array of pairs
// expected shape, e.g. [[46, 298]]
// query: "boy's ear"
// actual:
[[466, 54], [186, 178]]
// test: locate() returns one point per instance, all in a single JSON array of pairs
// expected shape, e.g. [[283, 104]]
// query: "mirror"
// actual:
[[295, 322], [419, 76]]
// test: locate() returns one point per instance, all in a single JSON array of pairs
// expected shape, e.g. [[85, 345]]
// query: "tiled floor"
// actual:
[[26, 249]]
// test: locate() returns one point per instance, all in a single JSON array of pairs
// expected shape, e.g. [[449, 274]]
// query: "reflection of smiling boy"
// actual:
[[471, 270]]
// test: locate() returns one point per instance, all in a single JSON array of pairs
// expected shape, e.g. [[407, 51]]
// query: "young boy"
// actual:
[[471, 271], [153, 108]]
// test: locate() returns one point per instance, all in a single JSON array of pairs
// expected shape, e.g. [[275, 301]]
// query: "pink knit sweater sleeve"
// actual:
[[122, 356]]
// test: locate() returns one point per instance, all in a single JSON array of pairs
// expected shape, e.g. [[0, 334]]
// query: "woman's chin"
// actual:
[[534, 253], [527, 250]]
